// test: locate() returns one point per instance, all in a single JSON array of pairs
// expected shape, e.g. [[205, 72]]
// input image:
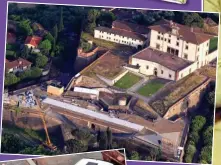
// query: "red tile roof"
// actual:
[[11, 38], [167, 60], [123, 25], [16, 63], [189, 34], [33, 40]]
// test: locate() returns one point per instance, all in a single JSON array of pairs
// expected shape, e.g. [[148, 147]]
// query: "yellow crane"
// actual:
[[48, 142]]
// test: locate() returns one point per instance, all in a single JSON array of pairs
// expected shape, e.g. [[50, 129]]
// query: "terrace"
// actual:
[[175, 91], [108, 65]]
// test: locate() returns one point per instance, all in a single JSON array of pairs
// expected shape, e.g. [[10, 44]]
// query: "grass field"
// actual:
[[127, 81], [150, 88]]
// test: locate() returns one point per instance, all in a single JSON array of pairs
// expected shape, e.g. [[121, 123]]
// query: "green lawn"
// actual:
[[150, 88], [213, 44], [127, 81]]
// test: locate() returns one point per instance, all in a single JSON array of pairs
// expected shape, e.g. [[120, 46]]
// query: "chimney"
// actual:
[[191, 29], [20, 62]]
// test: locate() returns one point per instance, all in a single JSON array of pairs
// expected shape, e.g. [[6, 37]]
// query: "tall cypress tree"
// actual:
[[61, 23], [109, 138], [55, 32]]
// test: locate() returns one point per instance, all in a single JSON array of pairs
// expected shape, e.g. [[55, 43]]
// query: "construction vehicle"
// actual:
[[48, 142]]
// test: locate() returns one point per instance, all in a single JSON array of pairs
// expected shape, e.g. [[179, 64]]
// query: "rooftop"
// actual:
[[108, 65], [189, 34], [16, 63], [210, 22], [156, 126], [132, 27], [33, 40], [122, 33], [167, 60], [90, 113], [175, 91]]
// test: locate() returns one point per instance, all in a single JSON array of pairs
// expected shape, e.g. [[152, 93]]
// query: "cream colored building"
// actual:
[[175, 51], [120, 36], [56, 90]]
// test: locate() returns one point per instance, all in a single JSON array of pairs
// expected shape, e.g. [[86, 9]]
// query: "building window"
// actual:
[[181, 75], [158, 32], [147, 67], [198, 49], [206, 53], [208, 44], [170, 76], [186, 56], [161, 71], [169, 35], [197, 58], [177, 44], [178, 38], [158, 37], [158, 46], [161, 38], [168, 40], [187, 47], [165, 39], [190, 70]]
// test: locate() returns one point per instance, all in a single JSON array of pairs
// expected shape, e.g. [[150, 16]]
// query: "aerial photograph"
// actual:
[[81, 79], [108, 157]]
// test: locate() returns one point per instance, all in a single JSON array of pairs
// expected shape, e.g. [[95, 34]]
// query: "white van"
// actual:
[[92, 162]]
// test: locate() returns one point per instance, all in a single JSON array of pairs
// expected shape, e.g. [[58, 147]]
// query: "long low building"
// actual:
[[120, 36], [93, 114]]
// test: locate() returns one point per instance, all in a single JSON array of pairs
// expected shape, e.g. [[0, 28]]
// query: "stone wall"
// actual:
[[192, 99]]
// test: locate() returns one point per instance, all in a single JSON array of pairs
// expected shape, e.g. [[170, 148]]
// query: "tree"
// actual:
[[194, 137], [39, 150], [208, 136], [11, 79], [11, 143], [92, 15], [193, 20], [41, 61], [197, 123], [61, 23], [109, 138], [49, 37], [106, 19], [190, 151], [75, 146], [36, 72], [211, 98], [24, 28], [103, 141], [25, 52], [155, 154], [134, 156], [45, 46], [206, 154], [55, 33], [90, 27]]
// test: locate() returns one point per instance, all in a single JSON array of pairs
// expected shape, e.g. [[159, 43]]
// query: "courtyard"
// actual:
[[151, 87], [127, 81]]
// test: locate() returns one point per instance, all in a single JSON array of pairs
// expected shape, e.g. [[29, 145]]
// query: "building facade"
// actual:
[[120, 36], [175, 51]]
